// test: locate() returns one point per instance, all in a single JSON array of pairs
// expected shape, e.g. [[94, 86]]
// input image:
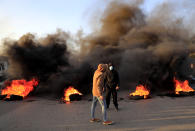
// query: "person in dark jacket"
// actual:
[[112, 85]]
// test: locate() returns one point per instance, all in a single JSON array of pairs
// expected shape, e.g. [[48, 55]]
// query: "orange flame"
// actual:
[[140, 91], [70, 91], [19, 87], [182, 86]]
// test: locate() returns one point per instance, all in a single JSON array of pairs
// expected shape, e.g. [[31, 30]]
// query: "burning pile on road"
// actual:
[[18, 89], [141, 92], [183, 88], [71, 94]]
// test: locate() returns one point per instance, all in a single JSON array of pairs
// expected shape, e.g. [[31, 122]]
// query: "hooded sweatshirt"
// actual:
[[98, 83]]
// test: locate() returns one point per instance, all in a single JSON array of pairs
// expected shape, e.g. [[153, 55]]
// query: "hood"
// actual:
[[102, 67]]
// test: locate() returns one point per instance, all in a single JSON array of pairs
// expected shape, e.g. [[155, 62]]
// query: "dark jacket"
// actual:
[[111, 79]]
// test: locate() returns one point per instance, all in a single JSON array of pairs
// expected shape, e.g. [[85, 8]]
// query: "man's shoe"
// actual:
[[116, 109], [108, 122], [95, 120]]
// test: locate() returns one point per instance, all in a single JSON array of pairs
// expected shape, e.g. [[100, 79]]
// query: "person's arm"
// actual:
[[105, 79], [117, 81]]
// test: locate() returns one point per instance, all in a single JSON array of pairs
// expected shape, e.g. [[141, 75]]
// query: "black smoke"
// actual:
[[36, 59], [48, 60], [149, 50], [145, 49]]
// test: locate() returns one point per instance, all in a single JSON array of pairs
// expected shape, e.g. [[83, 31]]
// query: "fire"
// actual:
[[19, 87], [182, 86], [140, 91], [70, 91]]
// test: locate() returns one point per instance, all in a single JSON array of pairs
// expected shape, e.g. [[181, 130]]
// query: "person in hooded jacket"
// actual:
[[112, 85], [97, 91]]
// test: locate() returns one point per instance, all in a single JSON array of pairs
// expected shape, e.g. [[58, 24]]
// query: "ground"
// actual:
[[44, 114]]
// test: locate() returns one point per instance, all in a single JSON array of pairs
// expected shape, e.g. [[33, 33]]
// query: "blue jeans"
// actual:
[[103, 105]]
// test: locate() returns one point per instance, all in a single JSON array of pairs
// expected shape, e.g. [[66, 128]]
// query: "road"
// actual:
[[44, 114]]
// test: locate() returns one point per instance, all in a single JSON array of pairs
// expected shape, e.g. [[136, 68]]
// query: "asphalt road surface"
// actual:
[[44, 114]]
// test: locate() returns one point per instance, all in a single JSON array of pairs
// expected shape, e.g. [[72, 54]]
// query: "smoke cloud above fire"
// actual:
[[145, 49]]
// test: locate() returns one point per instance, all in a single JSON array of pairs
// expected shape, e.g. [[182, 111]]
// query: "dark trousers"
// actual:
[[112, 91]]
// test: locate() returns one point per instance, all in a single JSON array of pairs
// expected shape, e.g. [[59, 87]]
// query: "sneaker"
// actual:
[[107, 122], [95, 120]]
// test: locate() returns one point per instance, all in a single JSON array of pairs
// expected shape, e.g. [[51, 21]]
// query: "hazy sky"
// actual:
[[18, 17]]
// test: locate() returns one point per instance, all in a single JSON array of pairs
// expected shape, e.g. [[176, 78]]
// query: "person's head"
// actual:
[[110, 66], [102, 67]]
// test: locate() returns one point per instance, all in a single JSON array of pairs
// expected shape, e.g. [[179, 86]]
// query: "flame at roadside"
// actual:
[[182, 86], [68, 92], [140, 91], [19, 87]]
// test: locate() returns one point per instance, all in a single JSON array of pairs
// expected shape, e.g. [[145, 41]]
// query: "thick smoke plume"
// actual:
[[49, 60], [148, 50], [38, 58]]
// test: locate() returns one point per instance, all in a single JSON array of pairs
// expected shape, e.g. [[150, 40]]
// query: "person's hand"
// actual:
[[117, 87], [101, 97]]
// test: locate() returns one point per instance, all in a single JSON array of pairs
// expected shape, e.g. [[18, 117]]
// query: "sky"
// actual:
[[41, 17]]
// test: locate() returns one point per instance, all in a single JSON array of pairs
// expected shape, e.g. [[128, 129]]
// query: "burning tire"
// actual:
[[181, 94], [141, 92], [137, 97], [10, 98], [71, 94], [2, 97], [17, 89], [191, 93], [75, 97], [13, 98]]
